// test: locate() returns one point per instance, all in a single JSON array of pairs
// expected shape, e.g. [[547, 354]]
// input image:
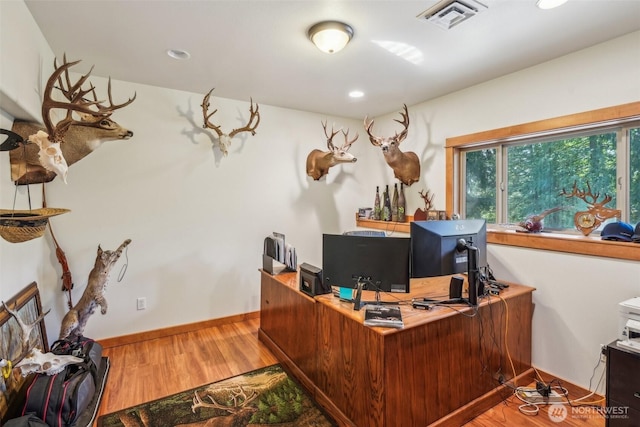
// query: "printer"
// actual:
[[630, 324]]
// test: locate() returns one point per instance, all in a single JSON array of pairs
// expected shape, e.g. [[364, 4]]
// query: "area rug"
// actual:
[[263, 397]]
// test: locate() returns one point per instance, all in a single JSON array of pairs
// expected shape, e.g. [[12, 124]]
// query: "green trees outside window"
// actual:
[[506, 182]]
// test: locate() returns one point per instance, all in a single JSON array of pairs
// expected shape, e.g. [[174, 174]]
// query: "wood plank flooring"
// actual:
[[152, 369]]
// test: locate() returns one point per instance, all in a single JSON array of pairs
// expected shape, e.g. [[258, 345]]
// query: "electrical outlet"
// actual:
[[141, 303], [535, 397], [603, 352]]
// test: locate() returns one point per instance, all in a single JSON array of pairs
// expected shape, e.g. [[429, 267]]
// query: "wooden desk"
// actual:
[[440, 369]]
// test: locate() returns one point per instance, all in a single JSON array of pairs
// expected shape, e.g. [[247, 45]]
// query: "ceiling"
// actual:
[[260, 49]]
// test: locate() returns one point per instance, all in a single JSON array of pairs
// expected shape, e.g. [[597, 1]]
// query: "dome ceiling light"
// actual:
[[330, 36]]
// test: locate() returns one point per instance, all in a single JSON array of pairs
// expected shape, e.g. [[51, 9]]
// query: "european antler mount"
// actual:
[[224, 140]]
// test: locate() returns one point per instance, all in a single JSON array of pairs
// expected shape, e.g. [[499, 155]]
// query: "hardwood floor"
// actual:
[[159, 367]]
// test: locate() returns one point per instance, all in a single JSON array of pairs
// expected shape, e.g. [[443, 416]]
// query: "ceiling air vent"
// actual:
[[449, 13]]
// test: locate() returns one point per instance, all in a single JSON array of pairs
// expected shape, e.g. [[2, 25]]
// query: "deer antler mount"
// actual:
[[84, 127], [406, 166], [224, 140], [319, 162]]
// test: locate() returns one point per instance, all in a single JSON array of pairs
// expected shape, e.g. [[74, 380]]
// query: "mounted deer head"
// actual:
[[224, 140], [596, 213], [406, 166], [86, 125], [319, 162]]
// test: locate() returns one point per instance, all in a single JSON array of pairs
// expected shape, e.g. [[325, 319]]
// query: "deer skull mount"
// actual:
[[26, 349], [45, 363], [319, 162], [83, 129], [406, 166], [224, 140], [50, 155], [596, 213]]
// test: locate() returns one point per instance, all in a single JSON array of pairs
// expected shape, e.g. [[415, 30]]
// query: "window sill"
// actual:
[[569, 243], [575, 244]]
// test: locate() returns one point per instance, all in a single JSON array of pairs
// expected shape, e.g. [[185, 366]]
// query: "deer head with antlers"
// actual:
[[84, 127], [224, 140], [406, 166], [319, 162], [596, 213]]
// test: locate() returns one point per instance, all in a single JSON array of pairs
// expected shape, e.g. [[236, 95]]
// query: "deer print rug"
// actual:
[[263, 397]]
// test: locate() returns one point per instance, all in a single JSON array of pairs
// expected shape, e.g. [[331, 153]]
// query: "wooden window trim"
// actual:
[[570, 243]]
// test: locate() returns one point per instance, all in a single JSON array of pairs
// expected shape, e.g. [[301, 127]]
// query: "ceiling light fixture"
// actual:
[[178, 54], [549, 4], [330, 36]]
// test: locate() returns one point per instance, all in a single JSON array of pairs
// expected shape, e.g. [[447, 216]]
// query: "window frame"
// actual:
[[577, 244]]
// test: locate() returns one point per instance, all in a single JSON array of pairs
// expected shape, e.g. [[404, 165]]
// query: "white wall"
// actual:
[[21, 80], [197, 219], [577, 296]]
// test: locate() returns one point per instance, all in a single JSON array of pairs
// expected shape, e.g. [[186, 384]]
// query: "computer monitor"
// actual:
[[380, 263], [441, 248]]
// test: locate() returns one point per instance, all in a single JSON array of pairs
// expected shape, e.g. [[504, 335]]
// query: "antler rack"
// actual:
[[76, 100]]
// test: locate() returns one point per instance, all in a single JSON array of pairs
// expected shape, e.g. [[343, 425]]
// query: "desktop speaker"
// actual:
[[455, 287], [311, 282]]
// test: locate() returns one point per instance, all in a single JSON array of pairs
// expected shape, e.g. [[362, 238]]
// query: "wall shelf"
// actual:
[[388, 226]]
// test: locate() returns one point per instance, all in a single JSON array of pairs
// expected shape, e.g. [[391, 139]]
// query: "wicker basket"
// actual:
[[18, 226]]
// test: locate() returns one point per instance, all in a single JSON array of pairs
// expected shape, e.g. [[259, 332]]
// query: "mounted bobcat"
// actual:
[[75, 320]]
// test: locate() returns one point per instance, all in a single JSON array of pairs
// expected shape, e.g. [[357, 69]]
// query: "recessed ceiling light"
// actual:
[[356, 94], [178, 54], [550, 4]]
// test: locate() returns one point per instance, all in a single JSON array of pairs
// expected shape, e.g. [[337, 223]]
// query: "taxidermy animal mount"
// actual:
[[420, 214], [535, 223], [86, 125], [319, 162], [596, 213], [406, 166], [224, 140], [32, 359], [25, 332], [45, 363], [75, 320]]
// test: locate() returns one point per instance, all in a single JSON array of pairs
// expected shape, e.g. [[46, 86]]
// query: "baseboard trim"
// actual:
[[174, 330], [483, 403]]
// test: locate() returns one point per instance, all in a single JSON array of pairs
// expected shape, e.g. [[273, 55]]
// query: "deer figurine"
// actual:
[[596, 213], [54, 147], [406, 166], [319, 162], [224, 140]]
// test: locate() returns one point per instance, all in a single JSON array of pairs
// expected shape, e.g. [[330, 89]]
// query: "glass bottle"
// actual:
[[402, 205], [394, 203], [386, 211], [376, 205]]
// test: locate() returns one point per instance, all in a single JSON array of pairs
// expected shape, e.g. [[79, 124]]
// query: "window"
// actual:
[[535, 175], [503, 175]]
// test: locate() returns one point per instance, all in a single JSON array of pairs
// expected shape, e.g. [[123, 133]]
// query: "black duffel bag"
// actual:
[[61, 398]]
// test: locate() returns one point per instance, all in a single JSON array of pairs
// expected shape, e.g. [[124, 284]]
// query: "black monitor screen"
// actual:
[[382, 261], [433, 246]]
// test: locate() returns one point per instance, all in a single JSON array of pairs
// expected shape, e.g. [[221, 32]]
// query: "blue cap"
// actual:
[[636, 234], [620, 231]]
